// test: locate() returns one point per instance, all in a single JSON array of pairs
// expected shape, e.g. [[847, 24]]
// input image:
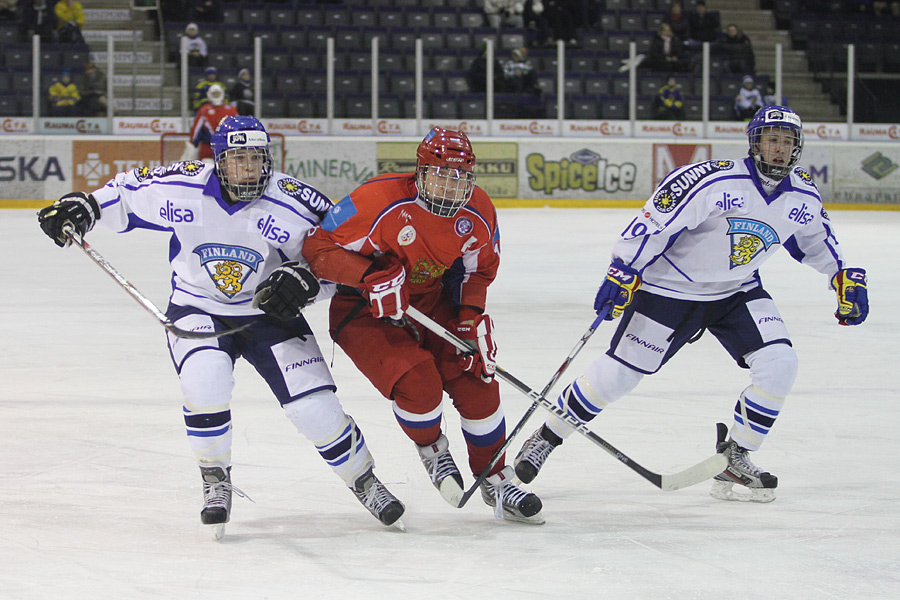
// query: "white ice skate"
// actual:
[[442, 470]]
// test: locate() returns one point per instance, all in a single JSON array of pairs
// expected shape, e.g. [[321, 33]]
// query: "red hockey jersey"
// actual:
[[385, 216]]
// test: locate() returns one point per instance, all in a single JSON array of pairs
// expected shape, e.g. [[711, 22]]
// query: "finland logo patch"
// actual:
[[228, 266], [748, 239]]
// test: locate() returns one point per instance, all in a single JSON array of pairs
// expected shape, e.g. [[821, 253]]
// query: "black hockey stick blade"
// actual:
[[698, 473], [139, 297]]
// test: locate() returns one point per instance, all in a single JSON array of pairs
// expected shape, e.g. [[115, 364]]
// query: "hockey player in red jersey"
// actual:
[[208, 118], [427, 239]]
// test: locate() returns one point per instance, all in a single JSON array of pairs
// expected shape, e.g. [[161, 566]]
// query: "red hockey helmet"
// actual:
[[445, 171]]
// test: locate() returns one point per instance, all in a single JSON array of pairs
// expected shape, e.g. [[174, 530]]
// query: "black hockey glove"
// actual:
[[78, 209], [288, 290]]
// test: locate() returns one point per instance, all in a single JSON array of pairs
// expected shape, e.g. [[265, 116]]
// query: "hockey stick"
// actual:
[[700, 472], [518, 428], [141, 299]]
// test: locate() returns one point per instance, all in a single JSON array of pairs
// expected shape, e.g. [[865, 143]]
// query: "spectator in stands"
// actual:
[[703, 25], [38, 18], [195, 46], [208, 118], [747, 101], [536, 24], [504, 13], [477, 74], [519, 76], [737, 52], [69, 21], [242, 94], [199, 98], [8, 11], [207, 11], [770, 98], [678, 21], [562, 17], [666, 52], [93, 92], [64, 97], [520, 81], [668, 103]]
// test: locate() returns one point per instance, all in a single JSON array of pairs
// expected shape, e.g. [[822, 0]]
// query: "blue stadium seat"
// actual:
[[418, 18], [472, 106], [358, 106], [301, 106], [442, 107], [309, 16], [644, 107], [272, 107], [390, 108], [584, 107], [292, 37], [446, 18], [282, 16], [574, 85], [614, 107], [254, 15], [597, 84]]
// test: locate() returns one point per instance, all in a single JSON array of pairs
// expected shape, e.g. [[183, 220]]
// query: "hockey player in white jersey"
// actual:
[[694, 251], [232, 225]]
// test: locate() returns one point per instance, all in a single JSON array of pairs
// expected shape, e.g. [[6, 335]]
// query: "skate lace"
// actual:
[[440, 467], [507, 496], [376, 497], [739, 459], [537, 451], [217, 494]]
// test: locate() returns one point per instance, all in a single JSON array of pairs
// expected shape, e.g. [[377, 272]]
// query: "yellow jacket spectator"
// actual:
[[69, 21], [64, 97]]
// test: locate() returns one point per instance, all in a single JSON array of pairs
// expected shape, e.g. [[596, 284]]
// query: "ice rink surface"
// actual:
[[100, 495]]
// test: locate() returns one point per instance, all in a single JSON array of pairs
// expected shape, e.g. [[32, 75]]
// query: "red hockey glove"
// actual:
[[853, 296], [385, 291], [478, 333]]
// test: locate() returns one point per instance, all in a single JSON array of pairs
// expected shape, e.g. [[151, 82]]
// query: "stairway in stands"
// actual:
[[804, 95], [143, 84]]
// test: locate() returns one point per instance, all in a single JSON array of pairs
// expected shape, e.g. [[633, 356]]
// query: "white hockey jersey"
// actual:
[[219, 252], [710, 225]]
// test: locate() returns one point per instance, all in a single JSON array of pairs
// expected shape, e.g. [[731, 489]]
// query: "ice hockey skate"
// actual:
[[534, 453], [442, 469], [216, 498], [754, 484], [383, 505], [515, 504]]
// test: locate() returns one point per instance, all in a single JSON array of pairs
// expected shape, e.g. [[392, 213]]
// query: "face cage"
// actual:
[[250, 191], [452, 189], [771, 170]]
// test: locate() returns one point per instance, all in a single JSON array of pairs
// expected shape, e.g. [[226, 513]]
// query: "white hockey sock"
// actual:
[[206, 382], [321, 419], [772, 372]]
